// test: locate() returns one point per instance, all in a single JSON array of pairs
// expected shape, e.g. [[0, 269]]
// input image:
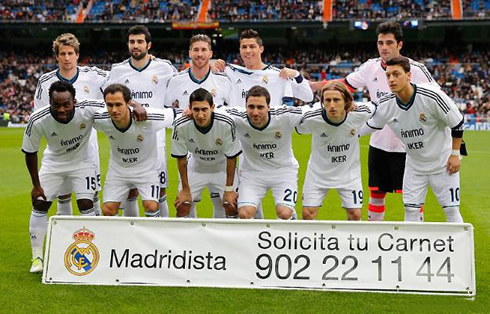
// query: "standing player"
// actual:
[[134, 157], [386, 159], [282, 85], [147, 78], [199, 75], [430, 125], [87, 82], [334, 162], [268, 163], [66, 159], [210, 137]]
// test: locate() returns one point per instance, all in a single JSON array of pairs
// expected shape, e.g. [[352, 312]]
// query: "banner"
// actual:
[[325, 255]]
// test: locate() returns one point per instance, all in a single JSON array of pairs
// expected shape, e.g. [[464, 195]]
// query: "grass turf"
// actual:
[[23, 292]]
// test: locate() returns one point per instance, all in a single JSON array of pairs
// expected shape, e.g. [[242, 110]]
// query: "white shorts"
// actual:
[[116, 188], [253, 185], [444, 185], [314, 194], [215, 182], [82, 181]]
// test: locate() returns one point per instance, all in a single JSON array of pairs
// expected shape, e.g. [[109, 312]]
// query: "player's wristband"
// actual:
[[455, 152], [229, 188]]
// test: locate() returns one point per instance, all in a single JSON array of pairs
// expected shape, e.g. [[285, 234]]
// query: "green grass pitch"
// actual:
[[21, 291]]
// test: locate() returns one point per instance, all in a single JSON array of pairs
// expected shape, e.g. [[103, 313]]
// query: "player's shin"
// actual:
[[163, 206], [98, 210], [452, 214], [218, 210], [412, 212], [260, 212], [64, 206], [131, 207], [38, 226], [376, 208]]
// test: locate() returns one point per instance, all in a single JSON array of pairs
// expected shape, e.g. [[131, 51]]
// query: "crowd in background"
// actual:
[[143, 11], [465, 77]]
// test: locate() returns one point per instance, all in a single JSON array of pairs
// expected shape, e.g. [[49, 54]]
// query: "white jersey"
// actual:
[[134, 150], [335, 155], [423, 125], [67, 147], [88, 83], [148, 85], [242, 79], [268, 148], [183, 84], [372, 75], [210, 146]]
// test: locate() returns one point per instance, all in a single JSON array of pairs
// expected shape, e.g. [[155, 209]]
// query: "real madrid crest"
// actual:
[[154, 79], [82, 257], [82, 126], [422, 117], [278, 135], [352, 132], [265, 79], [213, 92], [140, 138], [219, 141], [86, 90]]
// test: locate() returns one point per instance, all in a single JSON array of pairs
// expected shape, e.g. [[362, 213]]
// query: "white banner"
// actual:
[[326, 255]]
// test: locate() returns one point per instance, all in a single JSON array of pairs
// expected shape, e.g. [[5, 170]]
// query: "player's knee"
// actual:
[[133, 193], [150, 206], [84, 204], [309, 213], [246, 213], [353, 214], [110, 209], [284, 213]]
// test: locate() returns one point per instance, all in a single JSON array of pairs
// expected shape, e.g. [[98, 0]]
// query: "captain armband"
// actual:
[[457, 131]]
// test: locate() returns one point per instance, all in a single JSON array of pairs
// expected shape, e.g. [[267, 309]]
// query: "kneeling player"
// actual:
[[210, 138], [334, 162], [133, 162], [66, 160]]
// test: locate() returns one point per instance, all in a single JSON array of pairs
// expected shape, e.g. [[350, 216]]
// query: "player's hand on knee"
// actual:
[[37, 194], [230, 202], [183, 200]]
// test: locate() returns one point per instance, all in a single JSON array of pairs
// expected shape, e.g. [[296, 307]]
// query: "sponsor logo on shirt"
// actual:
[[185, 93], [54, 134], [112, 138], [191, 140], [239, 81], [126, 81], [324, 135], [247, 135]]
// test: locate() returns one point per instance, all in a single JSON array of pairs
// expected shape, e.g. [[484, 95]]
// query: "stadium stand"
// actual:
[[232, 10]]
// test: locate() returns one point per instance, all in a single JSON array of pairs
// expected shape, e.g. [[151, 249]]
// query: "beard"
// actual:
[[139, 56]]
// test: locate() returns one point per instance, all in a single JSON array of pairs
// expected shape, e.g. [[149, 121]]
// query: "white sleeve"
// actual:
[[357, 79], [301, 89], [169, 94], [179, 147], [41, 97], [447, 110], [161, 118], [420, 75], [32, 138]]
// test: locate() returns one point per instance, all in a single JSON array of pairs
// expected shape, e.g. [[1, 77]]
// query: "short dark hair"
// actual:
[[61, 86], [200, 37], [138, 30], [201, 94], [114, 88], [342, 89], [259, 91], [401, 61], [390, 27], [251, 33]]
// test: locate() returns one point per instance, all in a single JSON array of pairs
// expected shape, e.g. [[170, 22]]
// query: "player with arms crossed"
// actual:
[[66, 166], [147, 78], [134, 157], [387, 154], [87, 82], [334, 162], [199, 75], [431, 127], [211, 139], [268, 160]]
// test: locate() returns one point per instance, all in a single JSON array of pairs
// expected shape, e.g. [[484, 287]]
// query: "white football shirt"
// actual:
[[209, 147], [182, 85], [67, 147], [335, 155], [134, 150], [372, 75], [268, 148], [423, 125]]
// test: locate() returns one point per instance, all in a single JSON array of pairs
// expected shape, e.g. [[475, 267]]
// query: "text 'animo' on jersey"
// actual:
[[209, 147], [181, 86], [148, 85], [335, 154], [67, 147], [242, 79], [267, 148], [372, 75], [88, 83], [134, 150], [423, 125]]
